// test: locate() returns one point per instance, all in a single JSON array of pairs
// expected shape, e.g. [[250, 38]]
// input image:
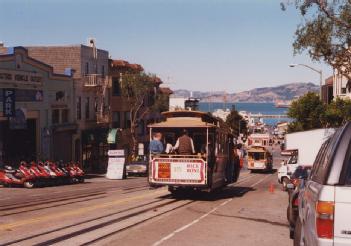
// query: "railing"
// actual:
[[93, 80]]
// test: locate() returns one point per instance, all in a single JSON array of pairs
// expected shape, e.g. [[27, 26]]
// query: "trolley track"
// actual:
[[137, 213]]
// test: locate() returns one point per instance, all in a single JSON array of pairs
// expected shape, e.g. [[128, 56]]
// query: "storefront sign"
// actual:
[[115, 168], [116, 164], [7, 76], [8, 101], [23, 95], [116, 152]]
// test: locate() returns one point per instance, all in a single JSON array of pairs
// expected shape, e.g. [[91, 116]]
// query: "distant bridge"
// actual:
[[268, 116]]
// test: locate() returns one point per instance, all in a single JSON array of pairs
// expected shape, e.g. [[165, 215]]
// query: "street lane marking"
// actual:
[[261, 180], [78, 211], [205, 215], [191, 223]]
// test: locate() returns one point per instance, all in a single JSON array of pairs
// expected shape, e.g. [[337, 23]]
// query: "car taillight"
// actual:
[[325, 219]]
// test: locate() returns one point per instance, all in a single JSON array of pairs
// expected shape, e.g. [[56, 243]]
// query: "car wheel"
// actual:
[[285, 183], [298, 234]]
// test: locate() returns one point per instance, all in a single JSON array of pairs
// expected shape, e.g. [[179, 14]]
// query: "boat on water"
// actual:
[[282, 104]]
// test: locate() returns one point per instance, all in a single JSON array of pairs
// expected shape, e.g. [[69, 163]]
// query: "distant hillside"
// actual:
[[265, 94]]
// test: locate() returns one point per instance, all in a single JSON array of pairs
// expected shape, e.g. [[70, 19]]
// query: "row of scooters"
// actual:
[[41, 174]]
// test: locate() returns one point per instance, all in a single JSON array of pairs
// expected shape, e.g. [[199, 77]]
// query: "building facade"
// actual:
[[341, 86], [36, 116], [89, 67], [328, 90]]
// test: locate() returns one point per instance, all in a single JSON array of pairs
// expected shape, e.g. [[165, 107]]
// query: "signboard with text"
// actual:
[[8, 101], [179, 171], [116, 164]]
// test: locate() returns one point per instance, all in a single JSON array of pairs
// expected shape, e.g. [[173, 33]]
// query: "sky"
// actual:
[[205, 45]]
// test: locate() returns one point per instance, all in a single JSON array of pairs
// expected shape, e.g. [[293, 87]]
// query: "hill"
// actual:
[[285, 92]]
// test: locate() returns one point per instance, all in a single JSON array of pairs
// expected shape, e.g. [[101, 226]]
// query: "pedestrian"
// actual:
[[185, 144], [156, 146]]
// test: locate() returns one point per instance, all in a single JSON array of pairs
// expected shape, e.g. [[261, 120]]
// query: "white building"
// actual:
[[341, 86]]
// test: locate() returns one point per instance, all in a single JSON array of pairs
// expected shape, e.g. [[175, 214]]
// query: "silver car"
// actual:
[[325, 203]]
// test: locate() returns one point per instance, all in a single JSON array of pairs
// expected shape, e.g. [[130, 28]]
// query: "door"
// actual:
[[342, 216]]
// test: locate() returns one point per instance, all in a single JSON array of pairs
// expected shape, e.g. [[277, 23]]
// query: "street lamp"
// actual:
[[313, 69]]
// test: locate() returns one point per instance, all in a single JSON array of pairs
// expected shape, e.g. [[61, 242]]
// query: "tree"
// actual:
[[140, 91], [325, 32], [236, 122], [337, 113], [307, 112]]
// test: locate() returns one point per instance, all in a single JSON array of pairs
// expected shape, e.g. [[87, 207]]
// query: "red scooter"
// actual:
[[16, 177]]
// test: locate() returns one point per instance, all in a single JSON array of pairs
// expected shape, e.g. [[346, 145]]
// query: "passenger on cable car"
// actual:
[[169, 146], [185, 144], [156, 146]]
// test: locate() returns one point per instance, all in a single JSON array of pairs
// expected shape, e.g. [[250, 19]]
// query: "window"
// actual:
[[116, 119], [127, 122], [55, 117], [343, 90], [65, 115], [96, 104], [87, 108], [103, 71], [79, 108], [87, 68], [116, 87]]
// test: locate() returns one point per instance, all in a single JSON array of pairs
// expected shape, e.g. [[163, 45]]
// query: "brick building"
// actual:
[[89, 68], [120, 108], [42, 119], [327, 90]]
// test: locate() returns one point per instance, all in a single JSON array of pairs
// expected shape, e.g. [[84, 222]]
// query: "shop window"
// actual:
[[87, 108], [55, 118], [60, 96], [65, 115], [87, 68], [79, 108], [103, 71], [116, 87], [96, 104], [116, 119]]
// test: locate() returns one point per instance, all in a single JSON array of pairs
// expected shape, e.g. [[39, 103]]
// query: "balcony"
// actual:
[[93, 80]]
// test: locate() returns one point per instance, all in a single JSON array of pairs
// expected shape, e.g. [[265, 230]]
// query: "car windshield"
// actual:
[[256, 155]]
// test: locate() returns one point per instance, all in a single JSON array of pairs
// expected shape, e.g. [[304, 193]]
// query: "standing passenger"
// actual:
[[156, 146], [185, 144]]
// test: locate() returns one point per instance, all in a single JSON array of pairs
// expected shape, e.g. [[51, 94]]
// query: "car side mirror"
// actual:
[[290, 186]]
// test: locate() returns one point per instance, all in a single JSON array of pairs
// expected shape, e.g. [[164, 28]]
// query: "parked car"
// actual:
[[295, 187], [138, 166], [325, 204]]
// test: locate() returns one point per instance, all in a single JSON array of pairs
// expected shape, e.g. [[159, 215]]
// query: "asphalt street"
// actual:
[[128, 212]]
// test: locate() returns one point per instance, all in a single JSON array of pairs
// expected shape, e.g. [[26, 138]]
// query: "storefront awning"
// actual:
[[111, 137]]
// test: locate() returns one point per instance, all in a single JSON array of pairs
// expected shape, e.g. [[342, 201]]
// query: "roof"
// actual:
[[187, 119], [166, 90], [329, 80], [183, 122], [125, 64]]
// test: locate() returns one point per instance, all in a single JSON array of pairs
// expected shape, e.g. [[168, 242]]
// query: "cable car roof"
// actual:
[[187, 119]]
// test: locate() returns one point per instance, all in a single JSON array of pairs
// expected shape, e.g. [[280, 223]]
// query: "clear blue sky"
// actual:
[[231, 45]]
